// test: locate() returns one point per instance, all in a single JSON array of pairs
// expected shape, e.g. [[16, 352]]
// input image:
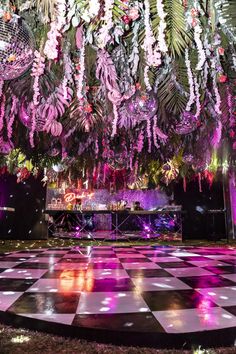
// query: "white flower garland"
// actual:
[[190, 81], [153, 55], [217, 97], [197, 94], [33, 127], [80, 76], [162, 26], [115, 120], [104, 35], [149, 134], [134, 56], [154, 132], [215, 87], [94, 7], [146, 78], [201, 51], [1, 87], [68, 74]]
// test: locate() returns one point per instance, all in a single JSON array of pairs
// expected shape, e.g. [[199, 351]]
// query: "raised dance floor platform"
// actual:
[[148, 295]]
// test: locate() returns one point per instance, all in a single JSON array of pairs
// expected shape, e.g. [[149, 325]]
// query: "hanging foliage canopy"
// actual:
[[147, 86]]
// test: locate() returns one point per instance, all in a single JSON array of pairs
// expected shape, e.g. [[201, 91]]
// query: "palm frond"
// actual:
[[226, 15], [177, 35]]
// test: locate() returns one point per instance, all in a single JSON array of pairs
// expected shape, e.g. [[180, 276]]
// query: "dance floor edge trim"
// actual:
[[224, 337]]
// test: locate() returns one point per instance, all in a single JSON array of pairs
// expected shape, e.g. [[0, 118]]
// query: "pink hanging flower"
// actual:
[[222, 78], [133, 13], [221, 51]]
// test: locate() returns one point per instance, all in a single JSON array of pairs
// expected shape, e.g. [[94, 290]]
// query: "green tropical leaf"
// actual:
[[177, 35]]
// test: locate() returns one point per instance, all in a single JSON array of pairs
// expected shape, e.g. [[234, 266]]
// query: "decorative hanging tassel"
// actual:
[[69, 178], [200, 182], [184, 184]]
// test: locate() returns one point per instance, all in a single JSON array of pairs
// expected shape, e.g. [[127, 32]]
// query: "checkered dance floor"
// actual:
[[163, 296]]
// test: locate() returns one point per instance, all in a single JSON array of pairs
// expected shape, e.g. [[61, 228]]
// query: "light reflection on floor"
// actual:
[[146, 289]]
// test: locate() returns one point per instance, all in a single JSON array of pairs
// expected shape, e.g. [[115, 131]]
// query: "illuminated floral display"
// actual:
[[120, 85]]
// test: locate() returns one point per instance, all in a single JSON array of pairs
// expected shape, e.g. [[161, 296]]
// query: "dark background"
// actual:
[[28, 198], [197, 222]]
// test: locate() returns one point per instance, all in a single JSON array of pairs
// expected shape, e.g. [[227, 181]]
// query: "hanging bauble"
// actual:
[[143, 104], [139, 107], [188, 123], [17, 47]]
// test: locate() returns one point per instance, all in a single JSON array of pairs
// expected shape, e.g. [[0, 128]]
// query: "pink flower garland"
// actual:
[[12, 116], [50, 49], [140, 142], [2, 111], [154, 132], [149, 135], [217, 135], [37, 71], [33, 126], [51, 45]]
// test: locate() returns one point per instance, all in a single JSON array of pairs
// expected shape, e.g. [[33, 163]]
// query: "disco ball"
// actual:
[[139, 107], [17, 47], [142, 104], [188, 123]]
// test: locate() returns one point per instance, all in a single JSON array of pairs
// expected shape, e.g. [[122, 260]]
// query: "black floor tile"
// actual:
[[175, 264], [143, 322], [105, 265], [173, 299], [230, 269], [134, 260], [207, 281], [32, 265], [42, 302], [7, 284], [231, 309]]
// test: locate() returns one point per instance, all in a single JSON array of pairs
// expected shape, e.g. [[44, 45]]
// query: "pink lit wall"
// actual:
[[232, 188]]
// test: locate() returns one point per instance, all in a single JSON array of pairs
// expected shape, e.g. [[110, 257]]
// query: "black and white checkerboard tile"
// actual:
[[133, 289]]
